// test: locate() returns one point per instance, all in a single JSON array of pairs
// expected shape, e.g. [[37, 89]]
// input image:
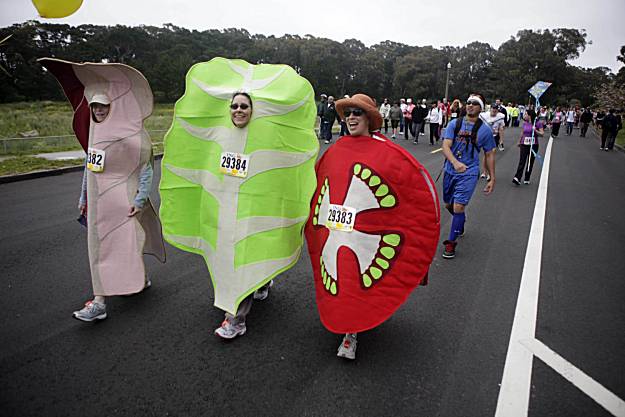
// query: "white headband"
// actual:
[[476, 98]]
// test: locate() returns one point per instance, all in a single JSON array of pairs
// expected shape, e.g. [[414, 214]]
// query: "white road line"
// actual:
[[437, 150], [517, 374], [586, 384]]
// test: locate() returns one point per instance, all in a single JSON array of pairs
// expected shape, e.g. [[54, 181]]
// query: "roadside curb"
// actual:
[[46, 173]]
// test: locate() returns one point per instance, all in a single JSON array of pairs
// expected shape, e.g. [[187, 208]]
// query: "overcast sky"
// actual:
[[413, 22]]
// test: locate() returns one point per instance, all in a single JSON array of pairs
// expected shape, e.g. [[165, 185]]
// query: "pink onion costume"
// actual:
[[116, 242]]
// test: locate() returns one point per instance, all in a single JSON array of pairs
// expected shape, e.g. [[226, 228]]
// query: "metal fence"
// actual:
[[46, 144]]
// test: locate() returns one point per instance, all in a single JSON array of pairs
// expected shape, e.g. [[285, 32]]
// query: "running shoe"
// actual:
[[327, 142], [416, 142], [501, 148], [91, 311], [450, 249], [483, 175], [229, 330], [393, 137], [488, 178], [263, 292], [526, 182], [516, 181], [347, 349]]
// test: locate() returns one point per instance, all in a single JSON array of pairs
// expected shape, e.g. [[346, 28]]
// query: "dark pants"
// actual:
[[610, 139], [326, 130], [344, 130], [433, 133], [407, 128], [604, 137], [416, 128], [385, 125], [524, 154], [584, 129], [555, 129], [569, 128]]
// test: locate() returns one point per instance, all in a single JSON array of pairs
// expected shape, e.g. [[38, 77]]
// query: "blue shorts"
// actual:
[[458, 188]]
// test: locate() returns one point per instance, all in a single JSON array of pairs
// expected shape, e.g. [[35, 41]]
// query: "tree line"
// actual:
[[387, 69]]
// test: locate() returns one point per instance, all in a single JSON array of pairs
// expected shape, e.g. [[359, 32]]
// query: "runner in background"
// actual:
[[570, 120], [585, 119], [495, 121], [385, 112], [527, 143], [402, 122], [556, 121], [462, 142], [408, 118], [435, 118]]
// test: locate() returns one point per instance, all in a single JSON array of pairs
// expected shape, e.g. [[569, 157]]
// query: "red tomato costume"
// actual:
[[362, 276]]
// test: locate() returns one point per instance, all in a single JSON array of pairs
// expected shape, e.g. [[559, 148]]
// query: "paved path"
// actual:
[[59, 156], [442, 354]]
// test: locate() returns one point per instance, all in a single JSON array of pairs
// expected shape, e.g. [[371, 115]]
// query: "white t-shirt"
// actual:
[[570, 116], [435, 116], [495, 122]]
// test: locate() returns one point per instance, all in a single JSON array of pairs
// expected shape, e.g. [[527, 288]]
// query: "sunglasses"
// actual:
[[243, 106], [473, 103], [355, 112]]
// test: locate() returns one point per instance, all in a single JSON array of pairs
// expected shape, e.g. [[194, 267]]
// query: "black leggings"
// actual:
[[524, 153], [555, 129], [433, 132]]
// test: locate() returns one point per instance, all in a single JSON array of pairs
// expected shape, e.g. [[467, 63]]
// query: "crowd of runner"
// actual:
[[394, 242]]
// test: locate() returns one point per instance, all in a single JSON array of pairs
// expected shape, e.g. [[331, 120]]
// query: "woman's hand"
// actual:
[[134, 210]]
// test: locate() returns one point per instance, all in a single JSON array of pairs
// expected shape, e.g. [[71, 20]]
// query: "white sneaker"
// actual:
[[228, 330], [526, 182], [91, 311], [327, 142], [347, 349], [263, 292], [483, 175]]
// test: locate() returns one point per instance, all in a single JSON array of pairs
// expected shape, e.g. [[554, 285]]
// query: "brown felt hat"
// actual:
[[361, 101]]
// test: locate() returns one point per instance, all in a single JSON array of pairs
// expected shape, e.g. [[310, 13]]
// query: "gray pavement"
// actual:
[[60, 156], [442, 353]]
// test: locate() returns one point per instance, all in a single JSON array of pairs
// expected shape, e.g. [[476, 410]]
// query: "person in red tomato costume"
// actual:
[[374, 226]]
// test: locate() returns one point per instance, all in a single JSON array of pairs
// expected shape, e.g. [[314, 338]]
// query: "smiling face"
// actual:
[[100, 111], [240, 110], [473, 108], [357, 121]]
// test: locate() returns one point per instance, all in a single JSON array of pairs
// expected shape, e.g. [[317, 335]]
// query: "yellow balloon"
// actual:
[[56, 8]]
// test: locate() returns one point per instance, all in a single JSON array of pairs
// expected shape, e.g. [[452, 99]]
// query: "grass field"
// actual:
[[53, 123], [24, 164]]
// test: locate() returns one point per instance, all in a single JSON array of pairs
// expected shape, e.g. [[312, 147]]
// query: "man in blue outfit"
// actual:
[[463, 140]]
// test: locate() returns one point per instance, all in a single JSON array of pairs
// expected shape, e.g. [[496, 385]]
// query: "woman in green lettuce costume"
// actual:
[[238, 175]]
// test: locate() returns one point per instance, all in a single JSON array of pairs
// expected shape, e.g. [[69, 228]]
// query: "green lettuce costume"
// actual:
[[247, 229]]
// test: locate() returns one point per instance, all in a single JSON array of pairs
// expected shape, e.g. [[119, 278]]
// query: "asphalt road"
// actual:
[[442, 354]]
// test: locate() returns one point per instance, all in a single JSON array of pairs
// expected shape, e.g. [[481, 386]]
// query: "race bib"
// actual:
[[454, 115], [527, 140], [234, 164], [95, 160], [341, 218]]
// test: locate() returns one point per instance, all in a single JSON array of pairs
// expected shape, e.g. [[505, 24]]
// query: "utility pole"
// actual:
[[447, 82]]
